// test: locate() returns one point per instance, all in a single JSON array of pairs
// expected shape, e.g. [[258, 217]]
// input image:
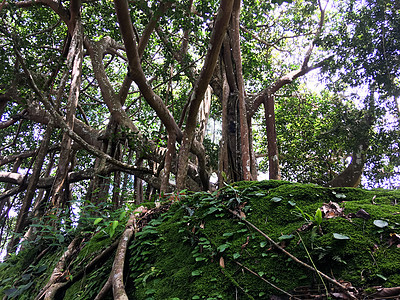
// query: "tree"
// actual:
[[366, 54], [104, 101]]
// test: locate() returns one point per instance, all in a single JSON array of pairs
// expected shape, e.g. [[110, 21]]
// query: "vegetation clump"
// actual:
[[213, 246]]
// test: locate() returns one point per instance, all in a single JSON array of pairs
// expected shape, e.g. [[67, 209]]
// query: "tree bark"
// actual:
[[76, 55], [217, 36], [51, 287], [273, 154], [31, 189], [119, 260], [169, 156], [244, 130], [223, 167]]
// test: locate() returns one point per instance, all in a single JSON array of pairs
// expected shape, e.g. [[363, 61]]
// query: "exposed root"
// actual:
[[117, 273], [53, 285], [104, 290], [58, 280]]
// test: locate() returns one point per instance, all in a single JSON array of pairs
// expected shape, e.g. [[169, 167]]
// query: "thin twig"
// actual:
[[338, 284], [263, 279]]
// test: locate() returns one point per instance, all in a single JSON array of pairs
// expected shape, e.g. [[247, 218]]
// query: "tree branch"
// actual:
[[136, 71]]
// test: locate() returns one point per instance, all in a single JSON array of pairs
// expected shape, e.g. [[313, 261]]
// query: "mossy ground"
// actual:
[[193, 250]]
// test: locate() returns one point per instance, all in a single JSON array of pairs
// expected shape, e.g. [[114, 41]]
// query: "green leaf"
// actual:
[[340, 196], [150, 291], [318, 216], [122, 215], [200, 258], [97, 221], [223, 247], [380, 223], [196, 272], [236, 255], [226, 234], [60, 238], [40, 269], [276, 199], [339, 236], [292, 203], [114, 224], [286, 237], [381, 276]]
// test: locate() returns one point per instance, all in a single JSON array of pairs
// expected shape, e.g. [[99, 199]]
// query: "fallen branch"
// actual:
[[265, 280], [338, 284]]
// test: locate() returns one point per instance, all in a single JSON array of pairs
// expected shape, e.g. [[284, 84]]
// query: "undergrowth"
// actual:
[[199, 250]]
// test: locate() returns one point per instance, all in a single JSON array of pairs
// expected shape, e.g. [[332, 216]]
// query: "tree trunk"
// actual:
[[234, 32], [273, 155], [76, 55], [236, 162], [201, 85], [169, 156], [31, 189], [223, 166], [351, 176]]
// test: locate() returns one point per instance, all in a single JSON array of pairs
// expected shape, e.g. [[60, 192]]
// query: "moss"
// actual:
[[352, 260], [23, 279], [191, 251]]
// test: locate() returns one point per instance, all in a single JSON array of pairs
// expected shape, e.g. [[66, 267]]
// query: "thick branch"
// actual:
[[201, 85], [111, 99], [136, 71], [278, 84], [56, 6]]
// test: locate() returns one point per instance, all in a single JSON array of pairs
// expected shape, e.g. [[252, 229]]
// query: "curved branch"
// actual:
[[111, 99], [136, 71], [291, 76], [56, 6], [10, 177], [278, 84]]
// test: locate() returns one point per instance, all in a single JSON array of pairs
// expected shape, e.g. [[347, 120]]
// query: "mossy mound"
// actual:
[[199, 250]]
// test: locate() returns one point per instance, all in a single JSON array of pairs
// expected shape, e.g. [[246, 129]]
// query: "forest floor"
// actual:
[[250, 240]]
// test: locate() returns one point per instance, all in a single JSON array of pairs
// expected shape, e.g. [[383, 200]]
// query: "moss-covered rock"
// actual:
[[199, 250]]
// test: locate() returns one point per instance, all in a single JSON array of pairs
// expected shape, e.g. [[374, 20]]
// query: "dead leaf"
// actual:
[[245, 244], [305, 227], [222, 262], [331, 210], [363, 214], [394, 239], [387, 292]]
